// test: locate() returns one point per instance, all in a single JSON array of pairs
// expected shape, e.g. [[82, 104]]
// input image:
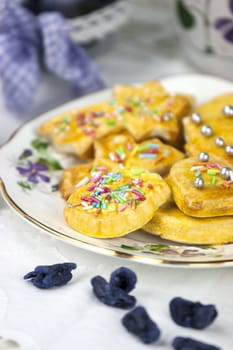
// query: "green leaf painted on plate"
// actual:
[[186, 18], [131, 247], [156, 247], [24, 184], [209, 50], [52, 163], [39, 145]]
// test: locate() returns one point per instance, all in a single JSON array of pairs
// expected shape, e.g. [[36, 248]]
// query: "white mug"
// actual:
[[206, 31]]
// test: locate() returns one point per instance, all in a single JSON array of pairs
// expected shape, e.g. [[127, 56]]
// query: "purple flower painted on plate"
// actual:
[[34, 172], [225, 25], [192, 252], [26, 153], [169, 252]]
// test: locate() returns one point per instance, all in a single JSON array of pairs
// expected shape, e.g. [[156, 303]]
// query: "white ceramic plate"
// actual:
[[44, 208]]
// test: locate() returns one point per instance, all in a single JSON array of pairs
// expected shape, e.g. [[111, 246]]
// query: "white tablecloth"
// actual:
[[71, 317]]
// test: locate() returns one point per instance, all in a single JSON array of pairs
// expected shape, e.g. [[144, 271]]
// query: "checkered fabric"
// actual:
[[25, 41]]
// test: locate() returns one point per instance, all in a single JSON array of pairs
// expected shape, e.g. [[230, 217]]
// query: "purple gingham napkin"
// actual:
[[25, 41]]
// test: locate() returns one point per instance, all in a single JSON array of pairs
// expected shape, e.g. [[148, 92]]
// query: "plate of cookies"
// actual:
[[143, 172]]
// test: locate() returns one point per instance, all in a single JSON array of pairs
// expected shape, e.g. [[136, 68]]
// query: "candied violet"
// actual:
[[139, 323], [192, 314], [180, 343], [110, 295], [48, 276], [123, 278]]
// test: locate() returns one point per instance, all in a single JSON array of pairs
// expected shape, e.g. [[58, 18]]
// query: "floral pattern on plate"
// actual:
[[36, 165]]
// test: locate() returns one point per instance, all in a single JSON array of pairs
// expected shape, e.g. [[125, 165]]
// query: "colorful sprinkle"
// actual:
[[129, 146], [212, 172], [136, 172], [122, 207], [198, 173], [83, 182], [110, 122], [166, 152], [147, 156], [213, 180]]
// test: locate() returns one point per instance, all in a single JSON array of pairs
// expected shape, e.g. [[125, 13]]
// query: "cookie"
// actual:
[[220, 134], [202, 188], [74, 132], [116, 148], [172, 224], [73, 177], [114, 203], [149, 111], [154, 156]]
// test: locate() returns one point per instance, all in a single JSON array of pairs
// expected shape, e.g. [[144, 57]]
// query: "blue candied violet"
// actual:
[[48, 276], [110, 295], [123, 278], [180, 343], [139, 323], [192, 314], [34, 172]]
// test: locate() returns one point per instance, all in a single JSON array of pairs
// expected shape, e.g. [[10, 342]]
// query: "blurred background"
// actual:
[[129, 41]]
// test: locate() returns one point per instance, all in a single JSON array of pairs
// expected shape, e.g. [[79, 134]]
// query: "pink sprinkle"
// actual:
[[128, 108], [213, 165], [108, 197], [86, 199], [106, 189], [129, 146], [138, 182], [99, 168], [227, 183], [118, 158], [140, 196], [92, 187], [93, 199], [96, 178], [122, 207], [151, 151]]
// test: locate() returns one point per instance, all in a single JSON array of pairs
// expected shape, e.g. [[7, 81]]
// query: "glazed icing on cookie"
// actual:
[[103, 190]]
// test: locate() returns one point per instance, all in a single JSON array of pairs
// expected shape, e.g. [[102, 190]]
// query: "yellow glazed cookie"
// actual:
[[114, 203], [211, 114], [75, 131], [144, 111], [114, 147], [172, 224], [154, 156], [74, 177], [202, 188], [149, 111]]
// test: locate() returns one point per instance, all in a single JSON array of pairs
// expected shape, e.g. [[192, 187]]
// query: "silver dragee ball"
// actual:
[[225, 173], [229, 150], [199, 183], [228, 110], [203, 157], [219, 142], [196, 118], [206, 130]]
